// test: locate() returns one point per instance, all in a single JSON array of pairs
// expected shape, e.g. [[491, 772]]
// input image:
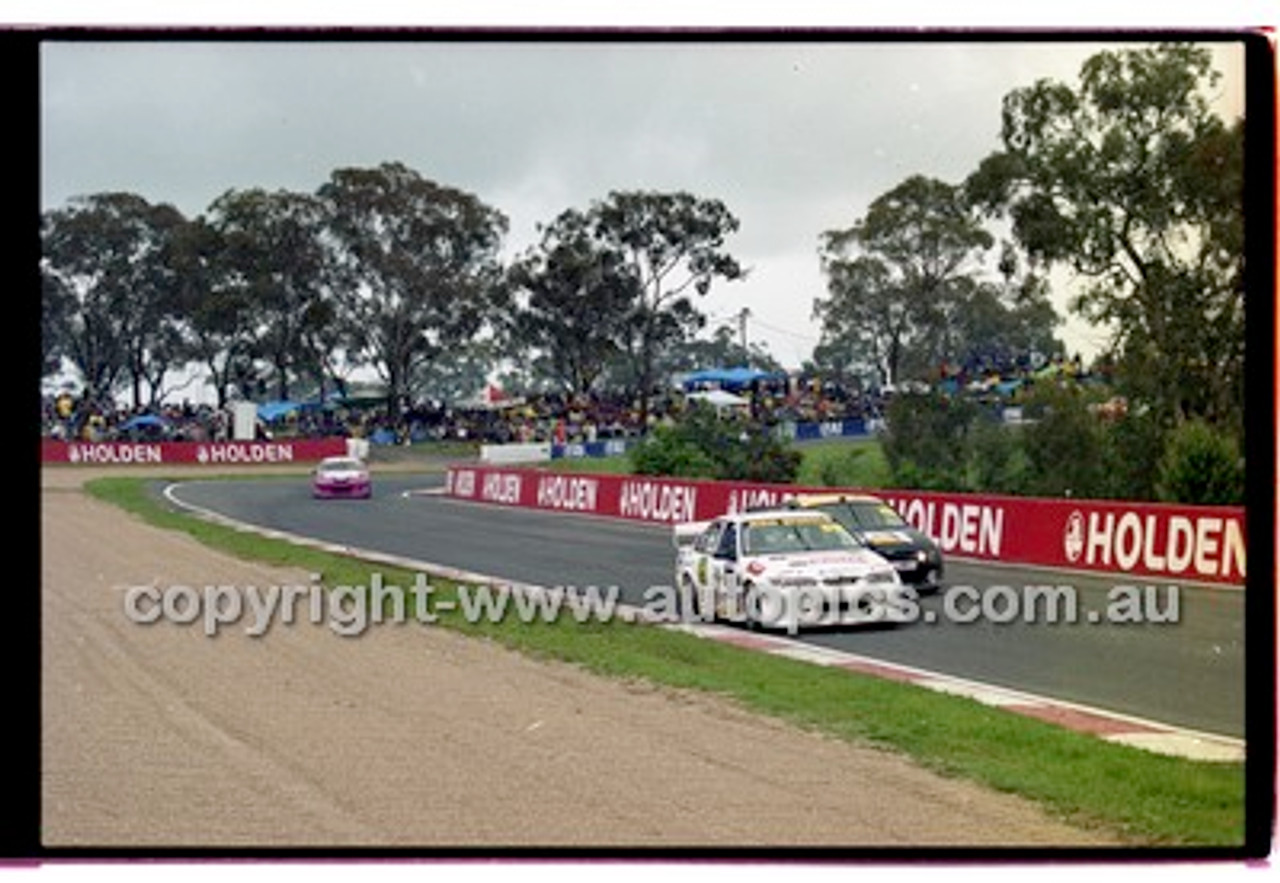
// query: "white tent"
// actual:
[[719, 399]]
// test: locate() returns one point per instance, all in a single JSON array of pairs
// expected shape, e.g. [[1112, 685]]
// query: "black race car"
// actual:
[[916, 557]]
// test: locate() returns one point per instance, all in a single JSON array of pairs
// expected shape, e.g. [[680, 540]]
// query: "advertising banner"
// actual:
[[202, 453], [1149, 540]]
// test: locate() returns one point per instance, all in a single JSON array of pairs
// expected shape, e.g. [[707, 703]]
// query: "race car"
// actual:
[[785, 569], [341, 477], [915, 555]]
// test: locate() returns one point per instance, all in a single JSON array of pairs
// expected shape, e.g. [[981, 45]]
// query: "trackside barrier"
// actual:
[[515, 453], [1153, 540], [611, 447], [202, 453], [853, 427]]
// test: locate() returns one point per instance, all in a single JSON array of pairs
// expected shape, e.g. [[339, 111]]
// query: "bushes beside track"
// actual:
[[1063, 447]]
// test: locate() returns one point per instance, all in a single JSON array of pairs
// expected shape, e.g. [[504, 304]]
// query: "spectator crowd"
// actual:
[[770, 400]]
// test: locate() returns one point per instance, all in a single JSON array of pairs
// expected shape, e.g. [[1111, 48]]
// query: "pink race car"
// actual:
[[341, 477]]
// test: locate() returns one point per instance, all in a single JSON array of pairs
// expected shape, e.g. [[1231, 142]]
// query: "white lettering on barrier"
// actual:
[[1181, 530], [1207, 530], [241, 453], [650, 501], [1209, 545], [114, 453], [464, 483], [568, 493], [969, 528], [501, 487], [748, 499]]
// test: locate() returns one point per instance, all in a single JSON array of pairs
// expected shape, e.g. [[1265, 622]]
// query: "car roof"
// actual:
[[805, 501], [773, 515]]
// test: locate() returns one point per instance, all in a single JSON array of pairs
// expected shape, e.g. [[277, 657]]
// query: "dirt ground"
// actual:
[[408, 736]]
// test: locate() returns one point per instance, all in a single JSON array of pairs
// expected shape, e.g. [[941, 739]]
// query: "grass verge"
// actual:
[[858, 463], [1143, 798]]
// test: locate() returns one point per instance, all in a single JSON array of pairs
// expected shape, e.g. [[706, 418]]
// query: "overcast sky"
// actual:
[[794, 137]]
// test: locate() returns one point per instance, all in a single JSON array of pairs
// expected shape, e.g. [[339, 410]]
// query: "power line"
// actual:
[[806, 337]]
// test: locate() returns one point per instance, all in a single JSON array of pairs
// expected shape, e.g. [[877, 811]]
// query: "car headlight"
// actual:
[[881, 577]]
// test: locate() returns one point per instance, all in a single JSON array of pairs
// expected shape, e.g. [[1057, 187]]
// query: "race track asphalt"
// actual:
[[1190, 673]]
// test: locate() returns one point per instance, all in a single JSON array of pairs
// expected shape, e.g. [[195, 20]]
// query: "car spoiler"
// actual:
[[685, 533]]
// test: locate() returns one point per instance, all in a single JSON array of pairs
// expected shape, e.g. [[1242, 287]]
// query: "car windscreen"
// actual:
[[782, 536], [875, 515], [341, 466]]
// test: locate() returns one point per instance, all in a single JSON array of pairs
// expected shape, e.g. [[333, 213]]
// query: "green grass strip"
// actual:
[[1143, 798]]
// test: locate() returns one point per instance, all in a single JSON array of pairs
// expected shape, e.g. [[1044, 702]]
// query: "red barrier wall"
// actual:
[[205, 453], [1200, 543]]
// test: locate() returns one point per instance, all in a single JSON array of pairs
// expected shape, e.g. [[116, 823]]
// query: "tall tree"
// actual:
[[416, 266], [1003, 323], [219, 332], [110, 289], [897, 279], [1131, 181], [671, 245], [576, 294], [274, 260], [57, 302]]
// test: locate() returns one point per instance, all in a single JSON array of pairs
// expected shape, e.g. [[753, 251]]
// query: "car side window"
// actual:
[[728, 545], [706, 541]]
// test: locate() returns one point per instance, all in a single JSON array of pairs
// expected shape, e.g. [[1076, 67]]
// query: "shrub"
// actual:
[[1133, 446], [1063, 445], [667, 452], [705, 445], [998, 461], [925, 440], [1201, 465]]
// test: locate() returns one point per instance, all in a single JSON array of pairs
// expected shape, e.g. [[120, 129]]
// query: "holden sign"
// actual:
[[1073, 537]]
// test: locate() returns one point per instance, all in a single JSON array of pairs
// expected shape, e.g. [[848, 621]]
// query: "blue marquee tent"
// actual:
[[727, 378], [271, 411], [143, 420]]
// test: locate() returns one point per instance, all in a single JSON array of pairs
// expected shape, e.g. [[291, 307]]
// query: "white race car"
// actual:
[[787, 570]]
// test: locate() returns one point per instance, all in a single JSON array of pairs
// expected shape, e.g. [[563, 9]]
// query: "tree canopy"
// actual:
[[1126, 178], [1129, 179], [413, 267], [905, 292]]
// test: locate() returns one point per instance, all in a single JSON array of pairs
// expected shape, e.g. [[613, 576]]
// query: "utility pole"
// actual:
[[742, 333]]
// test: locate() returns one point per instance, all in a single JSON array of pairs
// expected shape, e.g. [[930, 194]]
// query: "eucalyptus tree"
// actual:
[[273, 265], [899, 278], [669, 246], [110, 290], [573, 296], [414, 267], [218, 333], [1132, 181]]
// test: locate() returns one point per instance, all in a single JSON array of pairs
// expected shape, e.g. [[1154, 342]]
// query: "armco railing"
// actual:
[[1148, 540]]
